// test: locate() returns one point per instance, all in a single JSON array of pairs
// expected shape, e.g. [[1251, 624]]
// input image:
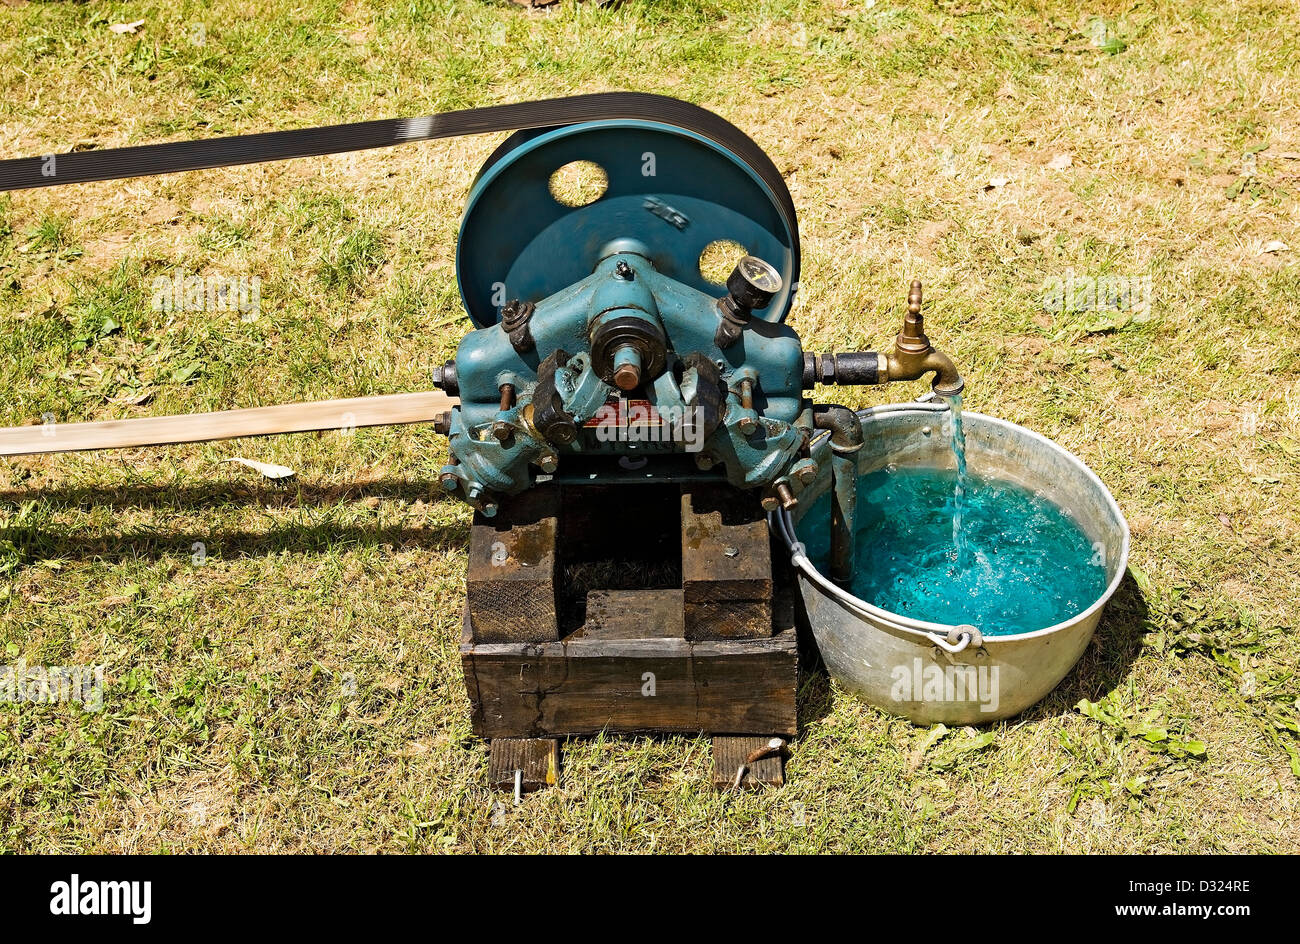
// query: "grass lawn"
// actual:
[[281, 658]]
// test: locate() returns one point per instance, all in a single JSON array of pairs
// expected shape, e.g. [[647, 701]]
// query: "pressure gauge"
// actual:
[[753, 283]]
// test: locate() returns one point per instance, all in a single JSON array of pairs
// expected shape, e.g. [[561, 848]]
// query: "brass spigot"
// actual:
[[913, 355]]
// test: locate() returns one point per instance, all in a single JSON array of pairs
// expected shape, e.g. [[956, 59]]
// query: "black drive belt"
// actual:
[[78, 167]]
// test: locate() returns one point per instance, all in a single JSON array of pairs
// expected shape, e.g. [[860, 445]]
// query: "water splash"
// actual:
[[1030, 564]]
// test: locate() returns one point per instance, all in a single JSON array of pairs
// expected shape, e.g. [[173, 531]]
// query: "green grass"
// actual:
[[300, 689]]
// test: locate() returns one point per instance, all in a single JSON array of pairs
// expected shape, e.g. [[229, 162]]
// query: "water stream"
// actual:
[[958, 440]]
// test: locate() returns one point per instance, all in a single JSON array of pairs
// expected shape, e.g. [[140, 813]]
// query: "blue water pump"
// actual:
[[604, 353]]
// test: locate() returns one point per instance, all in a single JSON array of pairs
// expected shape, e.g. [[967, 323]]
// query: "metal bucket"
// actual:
[[929, 672]]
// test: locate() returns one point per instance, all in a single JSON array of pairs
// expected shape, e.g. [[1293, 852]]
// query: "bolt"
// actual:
[[442, 424], [507, 397], [788, 501], [627, 367], [769, 503], [502, 431], [704, 462], [449, 481], [731, 551], [747, 425], [489, 510], [747, 393], [548, 463], [806, 473], [624, 271]]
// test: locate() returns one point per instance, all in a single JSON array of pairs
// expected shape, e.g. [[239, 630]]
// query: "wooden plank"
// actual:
[[632, 614], [393, 410], [510, 580], [730, 753], [585, 685], [536, 759], [726, 564]]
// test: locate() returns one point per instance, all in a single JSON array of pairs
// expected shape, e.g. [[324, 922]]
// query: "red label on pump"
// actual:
[[626, 414]]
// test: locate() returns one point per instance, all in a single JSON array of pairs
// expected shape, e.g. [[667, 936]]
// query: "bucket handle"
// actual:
[[952, 639]]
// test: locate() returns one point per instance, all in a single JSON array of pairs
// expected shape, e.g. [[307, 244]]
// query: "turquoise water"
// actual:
[[1025, 565]]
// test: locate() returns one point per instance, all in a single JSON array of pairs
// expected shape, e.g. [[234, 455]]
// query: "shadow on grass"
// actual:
[[1107, 660], [289, 493], [40, 541]]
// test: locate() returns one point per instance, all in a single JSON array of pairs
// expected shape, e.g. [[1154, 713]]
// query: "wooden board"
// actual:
[[726, 564], [510, 580], [729, 754], [536, 759], [629, 686], [349, 414], [632, 614]]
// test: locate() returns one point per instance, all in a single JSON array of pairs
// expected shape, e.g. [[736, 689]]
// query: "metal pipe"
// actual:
[[846, 439]]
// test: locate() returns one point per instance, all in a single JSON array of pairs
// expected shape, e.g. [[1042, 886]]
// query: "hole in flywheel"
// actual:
[[718, 259], [579, 183]]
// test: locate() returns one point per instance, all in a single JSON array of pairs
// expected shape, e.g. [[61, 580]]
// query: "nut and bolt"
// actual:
[[501, 429], [747, 393], [747, 424], [627, 367], [786, 496]]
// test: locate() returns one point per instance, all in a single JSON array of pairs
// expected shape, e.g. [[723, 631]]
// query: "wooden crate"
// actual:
[[670, 613]]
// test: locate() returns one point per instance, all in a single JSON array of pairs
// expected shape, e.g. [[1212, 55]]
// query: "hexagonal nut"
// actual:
[[805, 472]]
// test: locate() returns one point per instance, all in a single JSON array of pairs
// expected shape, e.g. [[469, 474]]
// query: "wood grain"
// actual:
[[538, 760], [628, 686], [730, 753], [392, 410]]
